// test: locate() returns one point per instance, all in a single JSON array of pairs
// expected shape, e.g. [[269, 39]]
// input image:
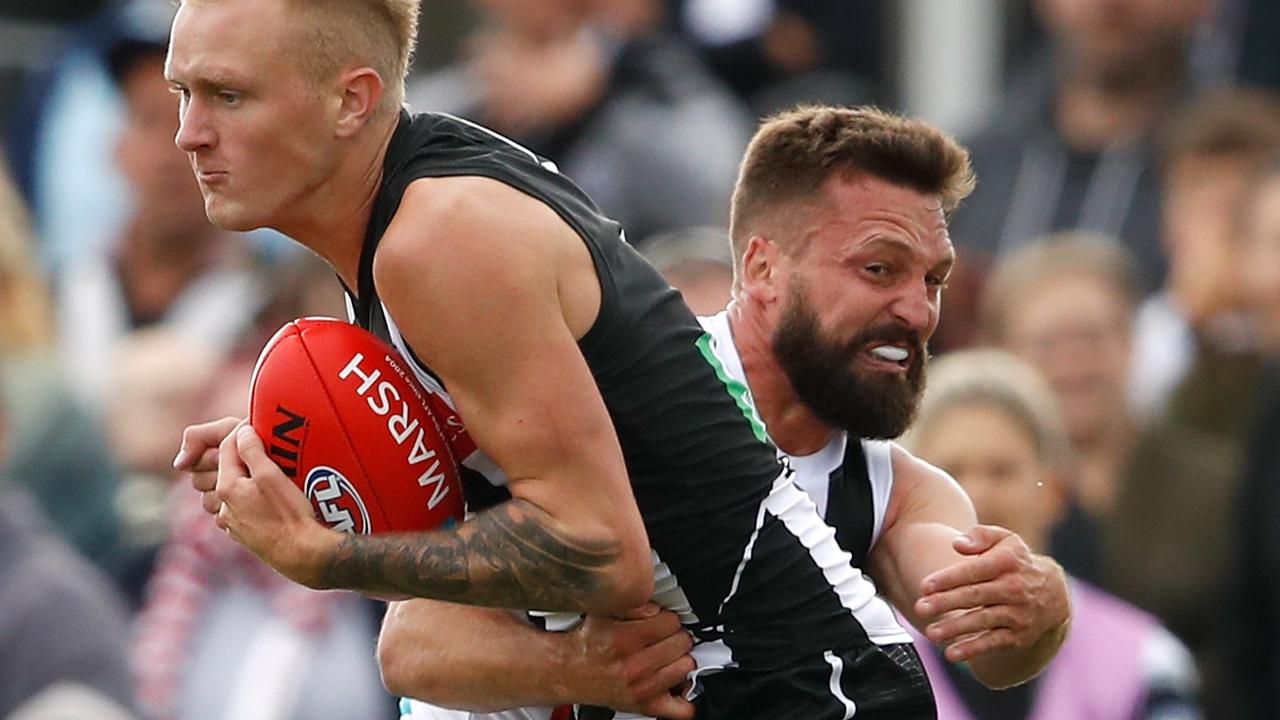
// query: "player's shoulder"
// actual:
[[912, 473], [475, 230], [459, 198], [449, 141]]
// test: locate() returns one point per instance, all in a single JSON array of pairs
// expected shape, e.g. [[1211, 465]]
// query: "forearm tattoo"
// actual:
[[507, 557]]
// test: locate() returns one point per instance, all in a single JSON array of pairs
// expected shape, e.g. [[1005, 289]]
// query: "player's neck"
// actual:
[[792, 426], [333, 219]]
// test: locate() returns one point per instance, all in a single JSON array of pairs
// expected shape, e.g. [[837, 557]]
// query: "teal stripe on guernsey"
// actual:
[[737, 390], [406, 708]]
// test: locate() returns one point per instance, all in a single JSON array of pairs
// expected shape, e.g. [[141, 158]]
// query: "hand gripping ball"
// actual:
[[344, 417]]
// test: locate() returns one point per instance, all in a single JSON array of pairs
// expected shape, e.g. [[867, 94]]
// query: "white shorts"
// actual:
[[416, 710]]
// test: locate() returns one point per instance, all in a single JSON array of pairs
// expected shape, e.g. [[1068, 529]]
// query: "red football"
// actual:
[[343, 416]]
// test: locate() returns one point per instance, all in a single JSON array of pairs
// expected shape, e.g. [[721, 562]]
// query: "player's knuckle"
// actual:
[[686, 665], [668, 622], [633, 672], [997, 640], [234, 492], [621, 641], [1017, 585], [652, 706], [640, 688], [969, 622], [1007, 558], [1032, 621]]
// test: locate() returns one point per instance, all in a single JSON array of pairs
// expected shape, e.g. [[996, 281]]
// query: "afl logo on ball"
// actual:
[[336, 501]]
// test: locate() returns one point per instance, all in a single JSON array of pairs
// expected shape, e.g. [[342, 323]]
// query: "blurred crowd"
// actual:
[[1107, 379]]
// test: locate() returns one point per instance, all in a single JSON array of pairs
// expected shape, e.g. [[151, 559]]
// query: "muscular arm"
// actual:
[[509, 556], [469, 658], [492, 289], [991, 603], [486, 660]]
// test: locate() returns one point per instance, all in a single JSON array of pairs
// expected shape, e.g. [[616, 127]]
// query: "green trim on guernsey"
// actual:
[[737, 390]]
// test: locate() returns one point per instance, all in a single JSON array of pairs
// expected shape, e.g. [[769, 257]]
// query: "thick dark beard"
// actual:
[[867, 404]]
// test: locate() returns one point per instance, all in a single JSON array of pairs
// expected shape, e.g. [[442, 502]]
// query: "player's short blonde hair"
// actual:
[[378, 33], [794, 153]]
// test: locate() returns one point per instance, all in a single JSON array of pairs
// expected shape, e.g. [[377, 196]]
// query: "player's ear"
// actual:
[[760, 269], [361, 89]]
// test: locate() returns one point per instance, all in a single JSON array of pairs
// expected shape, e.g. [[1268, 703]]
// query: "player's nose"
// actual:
[[194, 130], [915, 308]]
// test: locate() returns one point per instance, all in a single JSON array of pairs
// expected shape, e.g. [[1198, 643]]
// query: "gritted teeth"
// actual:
[[892, 353]]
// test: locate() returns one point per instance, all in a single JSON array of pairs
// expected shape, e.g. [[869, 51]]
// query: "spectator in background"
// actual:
[[169, 266], [625, 110], [1065, 304], [1255, 55], [62, 630], [1252, 615], [61, 134], [1157, 500], [156, 384], [991, 422], [222, 636], [778, 53], [698, 263], [1169, 547], [56, 452], [1196, 377], [1072, 147], [1194, 324]]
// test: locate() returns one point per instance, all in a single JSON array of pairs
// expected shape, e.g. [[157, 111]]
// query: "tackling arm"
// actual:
[[486, 660], [981, 594]]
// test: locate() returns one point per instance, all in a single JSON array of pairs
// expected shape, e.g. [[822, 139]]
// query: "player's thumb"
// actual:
[[979, 539], [252, 451], [641, 612]]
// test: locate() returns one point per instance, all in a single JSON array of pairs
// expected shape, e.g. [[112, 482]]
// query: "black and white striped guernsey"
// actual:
[[741, 552]]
